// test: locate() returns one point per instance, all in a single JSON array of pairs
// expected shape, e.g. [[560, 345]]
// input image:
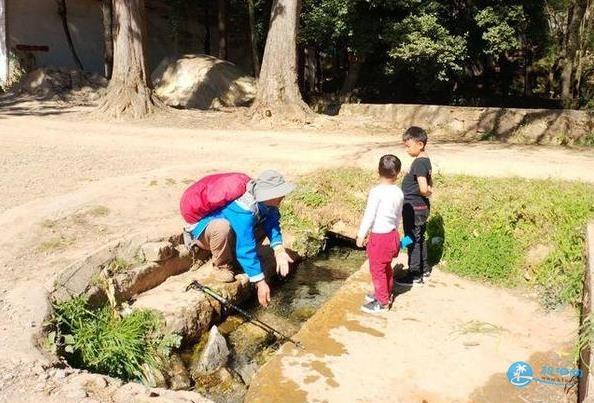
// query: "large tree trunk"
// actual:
[[586, 26], [253, 39], [207, 35], [63, 13], [572, 42], [278, 91], [107, 10], [352, 77], [129, 93], [222, 27]]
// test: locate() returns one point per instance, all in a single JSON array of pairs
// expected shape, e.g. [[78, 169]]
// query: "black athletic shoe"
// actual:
[[374, 307], [427, 273], [411, 280]]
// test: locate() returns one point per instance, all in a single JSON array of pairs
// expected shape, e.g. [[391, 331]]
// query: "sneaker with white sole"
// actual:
[[374, 307], [411, 280], [369, 297]]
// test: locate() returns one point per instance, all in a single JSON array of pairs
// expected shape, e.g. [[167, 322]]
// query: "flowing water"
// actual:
[[294, 300]]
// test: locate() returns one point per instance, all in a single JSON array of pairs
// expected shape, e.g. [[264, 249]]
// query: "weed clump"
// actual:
[[102, 341]]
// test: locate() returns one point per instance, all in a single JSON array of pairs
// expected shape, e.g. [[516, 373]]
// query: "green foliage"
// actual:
[[490, 224], [585, 340], [586, 141], [422, 42], [103, 342], [501, 28], [481, 228], [320, 200], [325, 21], [118, 265]]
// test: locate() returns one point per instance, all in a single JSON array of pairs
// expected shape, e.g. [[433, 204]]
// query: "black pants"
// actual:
[[414, 220]]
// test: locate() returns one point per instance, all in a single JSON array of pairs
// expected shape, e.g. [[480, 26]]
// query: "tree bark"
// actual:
[[278, 90], [253, 39], [129, 93], [107, 10], [351, 78], [586, 26], [572, 42], [222, 27], [311, 69], [207, 38], [63, 13]]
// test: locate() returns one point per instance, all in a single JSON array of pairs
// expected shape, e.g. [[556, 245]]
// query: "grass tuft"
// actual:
[[102, 342]]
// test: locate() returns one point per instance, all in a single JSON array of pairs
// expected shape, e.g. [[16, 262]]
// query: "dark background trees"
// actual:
[[535, 53]]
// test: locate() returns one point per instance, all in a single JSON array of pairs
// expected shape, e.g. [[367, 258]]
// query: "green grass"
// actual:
[[586, 141], [118, 265], [321, 199], [103, 342], [480, 228]]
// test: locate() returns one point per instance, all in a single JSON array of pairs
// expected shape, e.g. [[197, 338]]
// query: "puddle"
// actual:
[[294, 301]]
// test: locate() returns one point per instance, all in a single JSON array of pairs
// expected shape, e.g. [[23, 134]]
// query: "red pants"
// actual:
[[381, 249]]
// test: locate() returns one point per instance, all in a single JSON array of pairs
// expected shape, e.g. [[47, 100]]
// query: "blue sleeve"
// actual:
[[245, 245], [272, 226]]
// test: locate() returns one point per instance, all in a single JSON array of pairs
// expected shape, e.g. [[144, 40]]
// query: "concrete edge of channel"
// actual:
[[586, 381]]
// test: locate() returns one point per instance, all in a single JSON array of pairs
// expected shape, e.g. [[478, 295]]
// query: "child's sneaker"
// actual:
[[374, 307], [411, 280], [369, 297]]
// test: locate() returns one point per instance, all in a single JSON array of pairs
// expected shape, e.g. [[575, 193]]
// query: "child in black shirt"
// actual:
[[417, 187]]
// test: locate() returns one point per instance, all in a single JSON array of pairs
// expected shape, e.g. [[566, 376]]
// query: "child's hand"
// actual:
[[361, 242]]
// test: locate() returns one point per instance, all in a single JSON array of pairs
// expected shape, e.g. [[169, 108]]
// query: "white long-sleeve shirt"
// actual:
[[384, 210]]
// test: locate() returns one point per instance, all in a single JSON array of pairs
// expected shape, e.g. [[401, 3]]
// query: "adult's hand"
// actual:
[[282, 261], [263, 293]]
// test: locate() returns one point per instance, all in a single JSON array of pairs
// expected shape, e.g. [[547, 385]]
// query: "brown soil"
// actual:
[[70, 183]]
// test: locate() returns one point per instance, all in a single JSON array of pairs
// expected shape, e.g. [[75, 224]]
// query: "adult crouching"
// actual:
[[230, 231]]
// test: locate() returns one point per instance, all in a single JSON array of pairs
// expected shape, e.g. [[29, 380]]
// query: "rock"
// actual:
[[191, 313], [247, 372], [57, 373], [128, 392], [203, 82], [153, 377], [76, 394], [247, 339], [7, 377], [178, 375], [222, 385], [157, 251], [214, 355]]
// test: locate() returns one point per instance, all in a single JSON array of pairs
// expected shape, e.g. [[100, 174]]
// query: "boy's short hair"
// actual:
[[415, 133], [389, 166]]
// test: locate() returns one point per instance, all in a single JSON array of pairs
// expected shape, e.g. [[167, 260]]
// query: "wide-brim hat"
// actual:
[[271, 185]]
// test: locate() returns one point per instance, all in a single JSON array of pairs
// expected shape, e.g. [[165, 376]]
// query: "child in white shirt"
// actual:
[[380, 221]]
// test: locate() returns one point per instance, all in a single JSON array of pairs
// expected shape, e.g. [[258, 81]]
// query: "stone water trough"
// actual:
[[149, 273]]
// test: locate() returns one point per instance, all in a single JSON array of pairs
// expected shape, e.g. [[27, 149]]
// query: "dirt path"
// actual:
[[449, 341], [70, 186]]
